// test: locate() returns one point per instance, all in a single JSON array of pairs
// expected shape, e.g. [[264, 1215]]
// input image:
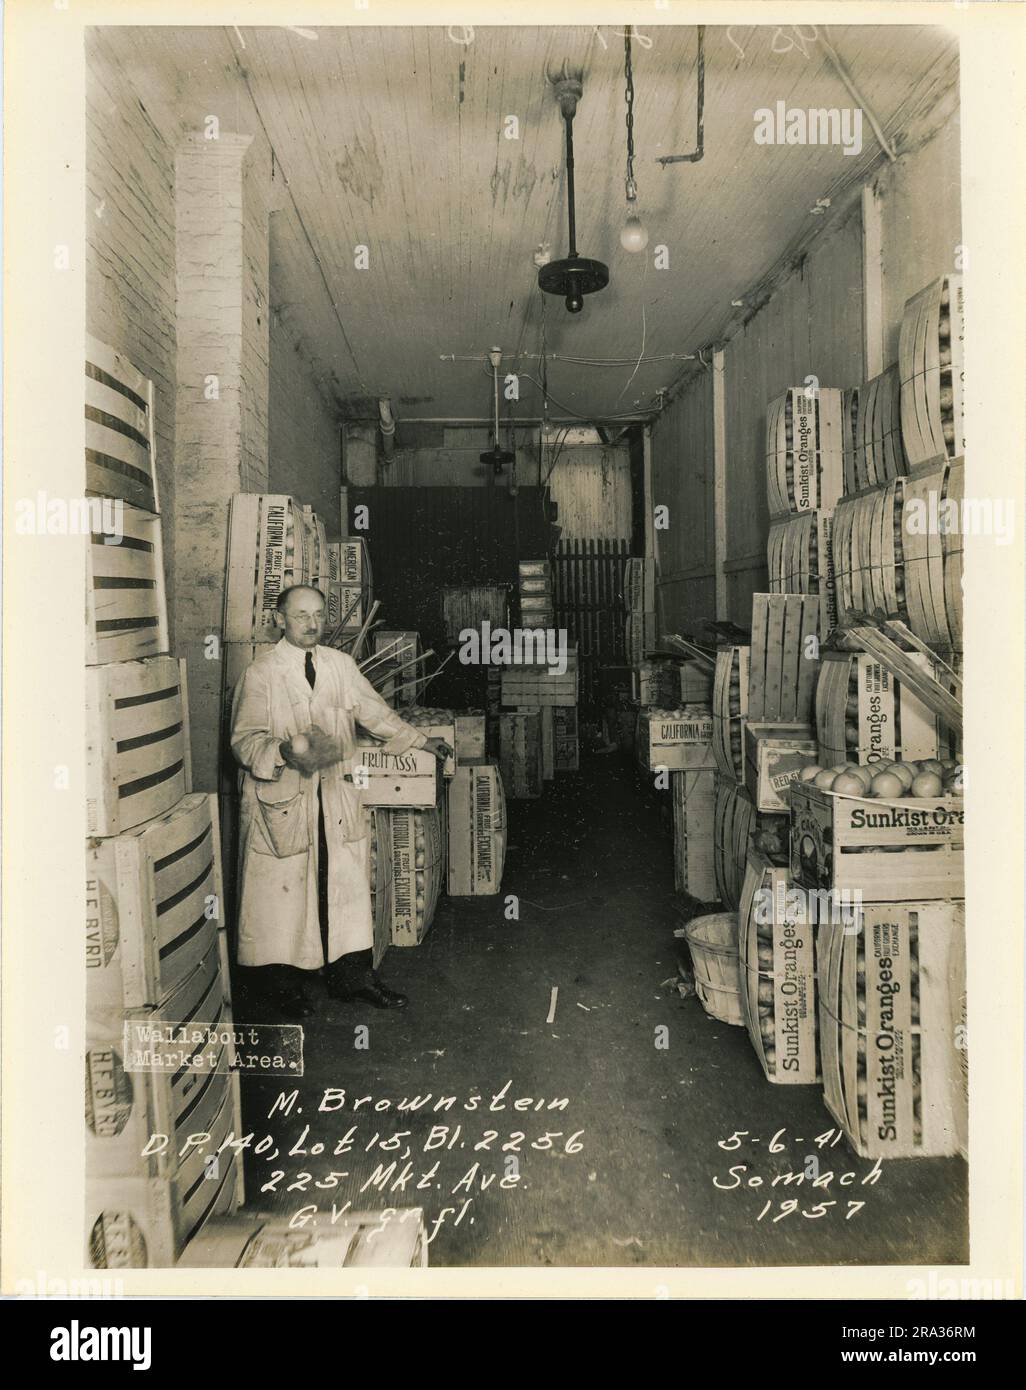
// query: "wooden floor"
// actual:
[[637, 1182]]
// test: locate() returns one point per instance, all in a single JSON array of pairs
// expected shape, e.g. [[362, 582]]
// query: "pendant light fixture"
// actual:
[[633, 233], [575, 276], [497, 458]]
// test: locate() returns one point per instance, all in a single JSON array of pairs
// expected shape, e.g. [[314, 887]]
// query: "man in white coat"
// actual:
[[303, 842]]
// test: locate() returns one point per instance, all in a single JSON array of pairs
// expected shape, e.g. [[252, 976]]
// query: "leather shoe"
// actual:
[[371, 992], [295, 1007]]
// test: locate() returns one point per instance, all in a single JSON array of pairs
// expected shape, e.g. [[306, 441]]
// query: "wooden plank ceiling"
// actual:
[[393, 139]]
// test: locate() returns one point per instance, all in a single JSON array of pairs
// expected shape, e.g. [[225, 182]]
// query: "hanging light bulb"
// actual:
[[633, 233]]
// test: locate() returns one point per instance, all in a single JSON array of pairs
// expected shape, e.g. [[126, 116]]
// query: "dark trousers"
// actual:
[[346, 970]]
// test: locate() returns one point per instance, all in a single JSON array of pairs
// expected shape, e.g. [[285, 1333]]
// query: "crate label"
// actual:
[[102, 933], [109, 1096]]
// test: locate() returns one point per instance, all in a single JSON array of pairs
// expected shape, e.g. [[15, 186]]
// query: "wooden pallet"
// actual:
[[137, 742], [932, 369], [119, 431]]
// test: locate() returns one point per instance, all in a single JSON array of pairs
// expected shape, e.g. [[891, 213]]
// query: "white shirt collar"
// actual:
[[297, 655]]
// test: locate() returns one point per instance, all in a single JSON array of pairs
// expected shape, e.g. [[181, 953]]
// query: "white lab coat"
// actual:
[[278, 851]]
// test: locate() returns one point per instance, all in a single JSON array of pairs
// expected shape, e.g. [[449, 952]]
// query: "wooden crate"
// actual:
[[892, 554], [694, 807], [783, 658], [379, 870], [130, 1096], [864, 715], [539, 685], [137, 742], [657, 682], [120, 448], [154, 904], [730, 710], [468, 607], [775, 755], [677, 740], [136, 1223], [413, 778], [904, 850], [891, 1071], [799, 557], [267, 552], [776, 948], [639, 636], [418, 868], [733, 817], [567, 749], [126, 606], [394, 1239], [849, 431], [804, 450], [317, 561], [520, 754], [695, 682], [932, 366], [878, 452], [639, 584], [933, 556], [477, 830], [548, 742]]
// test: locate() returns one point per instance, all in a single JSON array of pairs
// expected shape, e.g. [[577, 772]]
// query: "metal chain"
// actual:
[[632, 191]]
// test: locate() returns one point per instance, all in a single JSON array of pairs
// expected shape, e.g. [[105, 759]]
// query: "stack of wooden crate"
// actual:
[[804, 478], [156, 951], [639, 597], [897, 544], [535, 588], [538, 729]]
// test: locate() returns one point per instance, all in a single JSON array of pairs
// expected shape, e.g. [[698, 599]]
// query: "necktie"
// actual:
[[311, 671]]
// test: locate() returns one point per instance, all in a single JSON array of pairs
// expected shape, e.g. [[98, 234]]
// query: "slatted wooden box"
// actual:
[[891, 1072], [142, 1223], [392, 1239], [776, 948], [140, 1083], [804, 450], [418, 871], [520, 754], [267, 552], [864, 715], [931, 362], [898, 550], [800, 561], [137, 742], [154, 905], [119, 432], [477, 830], [639, 636], [317, 561], [733, 817], [567, 749], [469, 607], [849, 432], [694, 808], [412, 778], [126, 606], [730, 710], [677, 740], [905, 850], [783, 658], [379, 870], [878, 453], [775, 755]]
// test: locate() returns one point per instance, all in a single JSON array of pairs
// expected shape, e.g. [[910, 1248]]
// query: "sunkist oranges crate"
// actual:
[[804, 450], [878, 451], [776, 948], [892, 1068], [799, 558], [865, 715]]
